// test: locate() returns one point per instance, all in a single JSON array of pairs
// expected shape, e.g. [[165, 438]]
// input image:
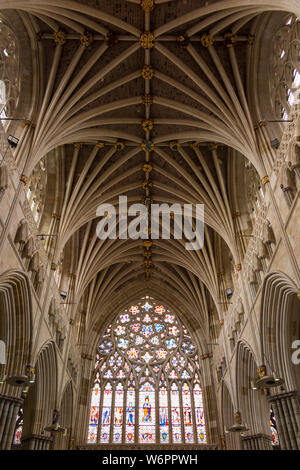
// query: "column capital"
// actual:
[[283, 395], [18, 401]]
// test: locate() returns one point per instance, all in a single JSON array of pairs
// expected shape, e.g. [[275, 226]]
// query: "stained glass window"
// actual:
[[106, 414], [175, 412], [199, 413], [147, 414], [118, 415], [187, 413], [163, 415], [19, 428], [94, 414], [130, 415], [274, 432], [146, 386]]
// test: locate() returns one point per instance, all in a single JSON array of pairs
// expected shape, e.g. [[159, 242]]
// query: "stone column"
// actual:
[[257, 442], [9, 408], [286, 408], [36, 442]]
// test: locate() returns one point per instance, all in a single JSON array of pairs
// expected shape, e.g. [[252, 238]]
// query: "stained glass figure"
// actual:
[[19, 428], [187, 414], [18, 435], [106, 414], [175, 413], [130, 415], [147, 414], [273, 427], [199, 413], [163, 415], [94, 414], [118, 415]]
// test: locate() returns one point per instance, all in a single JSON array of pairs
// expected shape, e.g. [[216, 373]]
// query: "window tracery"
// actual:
[[146, 381]]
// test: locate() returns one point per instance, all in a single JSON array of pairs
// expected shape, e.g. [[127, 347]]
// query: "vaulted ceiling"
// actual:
[[148, 100]]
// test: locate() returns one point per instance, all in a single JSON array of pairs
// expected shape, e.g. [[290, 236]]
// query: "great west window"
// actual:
[[146, 384]]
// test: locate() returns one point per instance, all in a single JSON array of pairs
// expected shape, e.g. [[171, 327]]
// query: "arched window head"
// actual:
[[146, 385]]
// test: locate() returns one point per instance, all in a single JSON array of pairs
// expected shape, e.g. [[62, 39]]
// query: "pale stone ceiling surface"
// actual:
[[92, 91]]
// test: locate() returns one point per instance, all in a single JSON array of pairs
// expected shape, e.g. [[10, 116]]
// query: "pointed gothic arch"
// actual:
[[41, 401], [15, 324], [66, 417], [253, 404]]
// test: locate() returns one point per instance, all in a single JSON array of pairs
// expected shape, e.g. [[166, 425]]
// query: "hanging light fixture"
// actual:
[[55, 426], [17, 380], [238, 426], [267, 381], [22, 380], [253, 385]]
